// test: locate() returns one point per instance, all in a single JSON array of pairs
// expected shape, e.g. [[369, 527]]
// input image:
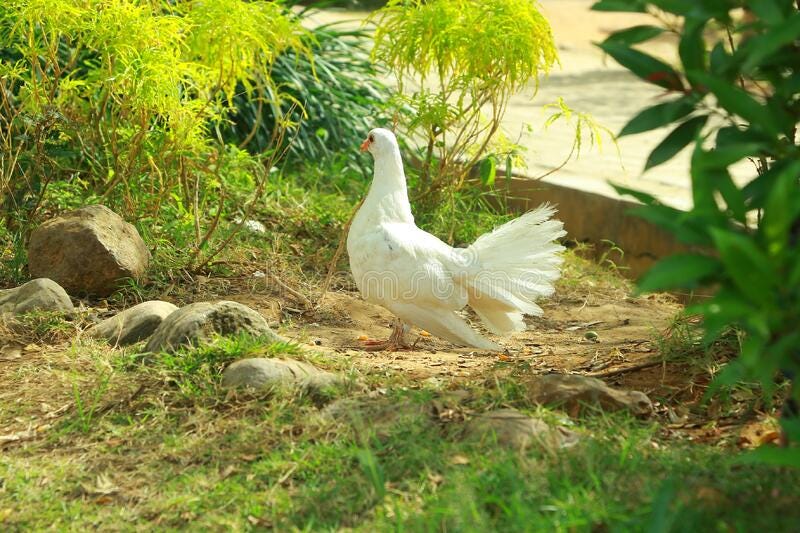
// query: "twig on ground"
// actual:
[[294, 292], [126, 401], [297, 294], [634, 368]]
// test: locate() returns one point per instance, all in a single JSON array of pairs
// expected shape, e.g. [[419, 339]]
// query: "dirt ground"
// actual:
[[556, 342], [627, 353], [593, 326]]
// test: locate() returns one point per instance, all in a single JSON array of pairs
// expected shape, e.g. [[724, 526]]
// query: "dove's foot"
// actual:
[[394, 343]]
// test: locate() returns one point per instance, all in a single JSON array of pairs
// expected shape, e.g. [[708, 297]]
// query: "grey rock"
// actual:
[[88, 251], [39, 294], [260, 373], [517, 430], [198, 322], [572, 392], [255, 226], [134, 324]]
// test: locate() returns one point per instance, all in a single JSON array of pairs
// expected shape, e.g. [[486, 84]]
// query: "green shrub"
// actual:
[[739, 67], [456, 64], [120, 102], [333, 100]]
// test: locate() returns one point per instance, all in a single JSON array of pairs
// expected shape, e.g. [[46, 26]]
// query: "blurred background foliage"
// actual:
[[181, 116], [188, 118]]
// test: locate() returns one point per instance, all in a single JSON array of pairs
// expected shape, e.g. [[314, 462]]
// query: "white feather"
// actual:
[[425, 282]]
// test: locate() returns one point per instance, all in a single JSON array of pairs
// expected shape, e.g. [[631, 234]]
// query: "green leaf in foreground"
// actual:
[[767, 44], [747, 266], [692, 49], [636, 34], [658, 116], [645, 66], [773, 456], [678, 271], [738, 101], [676, 141], [488, 171], [627, 6]]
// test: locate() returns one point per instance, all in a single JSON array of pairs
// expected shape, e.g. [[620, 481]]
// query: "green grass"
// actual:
[[153, 442], [45, 326], [204, 459]]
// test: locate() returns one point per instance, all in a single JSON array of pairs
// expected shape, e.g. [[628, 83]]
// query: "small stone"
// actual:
[[10, 352], [591, 336], [572, 392], [198, 322], [37, 295], [88, 251], [260, 373], [519, 431], [134, 324], [255, 226]]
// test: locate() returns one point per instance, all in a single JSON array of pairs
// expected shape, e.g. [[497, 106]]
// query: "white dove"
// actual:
[[425, 282]]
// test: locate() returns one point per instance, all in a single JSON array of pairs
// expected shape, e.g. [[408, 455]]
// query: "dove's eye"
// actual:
[[371, 138]]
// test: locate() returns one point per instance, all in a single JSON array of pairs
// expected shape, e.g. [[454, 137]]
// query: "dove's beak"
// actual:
[[365, 145]]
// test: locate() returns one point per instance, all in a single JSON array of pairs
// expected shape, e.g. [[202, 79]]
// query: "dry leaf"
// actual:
[[767, 437], [103, 486], [459, 459], [504, 357], [61, 410], [257, 521], [436, 479], [424, 333], [363, 337], [18, 436], [758, 434], [676, 419]]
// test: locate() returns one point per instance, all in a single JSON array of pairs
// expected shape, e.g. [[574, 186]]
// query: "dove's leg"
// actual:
[[395, 342]]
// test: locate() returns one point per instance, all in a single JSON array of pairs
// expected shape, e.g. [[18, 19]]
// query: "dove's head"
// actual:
[[379, 141]]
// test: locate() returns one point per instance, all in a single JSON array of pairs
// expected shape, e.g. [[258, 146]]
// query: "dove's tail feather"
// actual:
[[517, 264], [444, 323]]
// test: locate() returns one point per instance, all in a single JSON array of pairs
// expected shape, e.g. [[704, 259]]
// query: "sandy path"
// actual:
[[626, 328]]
